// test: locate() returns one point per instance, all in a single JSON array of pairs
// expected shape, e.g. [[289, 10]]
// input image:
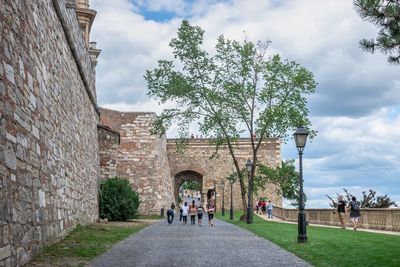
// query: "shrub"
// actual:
[[117, 200]]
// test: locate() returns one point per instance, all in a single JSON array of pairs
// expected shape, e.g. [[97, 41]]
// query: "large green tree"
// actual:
[[385, 14], [239, 91], [285, 177]]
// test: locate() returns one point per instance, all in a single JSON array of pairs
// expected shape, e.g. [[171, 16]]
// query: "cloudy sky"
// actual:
[[356, 107]]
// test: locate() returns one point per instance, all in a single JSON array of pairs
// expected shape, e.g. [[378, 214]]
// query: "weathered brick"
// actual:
[[5, 252], [41, 135]]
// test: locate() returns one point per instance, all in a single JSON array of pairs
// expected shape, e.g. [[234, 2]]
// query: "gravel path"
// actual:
[[186, 245]]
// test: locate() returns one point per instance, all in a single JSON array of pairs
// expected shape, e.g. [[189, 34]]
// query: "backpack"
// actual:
[[200, 211], [355, 206], [211, 209]]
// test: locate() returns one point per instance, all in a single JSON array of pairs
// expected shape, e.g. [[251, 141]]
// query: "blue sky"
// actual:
[[356, 107]]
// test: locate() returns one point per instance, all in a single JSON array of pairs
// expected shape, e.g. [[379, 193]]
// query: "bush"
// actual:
[[117, 200]]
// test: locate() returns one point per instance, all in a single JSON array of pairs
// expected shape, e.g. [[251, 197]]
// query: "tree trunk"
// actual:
[[241, 182]]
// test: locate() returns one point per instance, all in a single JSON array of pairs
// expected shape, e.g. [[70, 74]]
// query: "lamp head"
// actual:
[[249, 165], [300, 137]]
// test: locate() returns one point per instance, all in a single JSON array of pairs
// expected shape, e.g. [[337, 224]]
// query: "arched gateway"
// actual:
[[185, 176], [156, 169]]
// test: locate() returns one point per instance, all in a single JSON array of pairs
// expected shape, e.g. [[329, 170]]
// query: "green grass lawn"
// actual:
[[85, 243], [328, 246]]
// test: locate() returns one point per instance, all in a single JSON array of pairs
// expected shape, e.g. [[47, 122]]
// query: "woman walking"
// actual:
[[200, 212], [210, 209], [185, 212], [192, 213]]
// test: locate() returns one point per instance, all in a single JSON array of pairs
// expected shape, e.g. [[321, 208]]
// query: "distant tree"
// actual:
[[191, 185], [240, 91], [368, 200], [385, 14], [285, 177]]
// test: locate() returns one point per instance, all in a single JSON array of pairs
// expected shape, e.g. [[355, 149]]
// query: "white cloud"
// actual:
[[356, 106]]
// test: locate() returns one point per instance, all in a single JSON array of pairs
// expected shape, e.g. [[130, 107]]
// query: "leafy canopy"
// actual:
[[385, 14], [235, 91], [286, 177], [191, 185], [240, 91]]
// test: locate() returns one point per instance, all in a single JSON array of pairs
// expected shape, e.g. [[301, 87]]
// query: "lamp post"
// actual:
[[300, 137], [249, 167], [231, 208], [223, 197], [215, 196], [232, 179]]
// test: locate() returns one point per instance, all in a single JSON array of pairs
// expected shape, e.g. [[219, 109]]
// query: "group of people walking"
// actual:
[[263, 208], [354, 209], [193, 211]]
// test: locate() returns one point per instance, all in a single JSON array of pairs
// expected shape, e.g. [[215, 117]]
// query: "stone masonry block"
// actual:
[[7, 155], [5, 252], [9, 73]]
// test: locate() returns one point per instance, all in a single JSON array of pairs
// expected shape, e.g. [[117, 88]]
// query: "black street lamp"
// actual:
[[249, 167], [223, 197], [231, 208], [232, 179], [300, 137], [215, 196]]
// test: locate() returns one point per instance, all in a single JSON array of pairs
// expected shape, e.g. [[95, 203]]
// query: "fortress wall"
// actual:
[[197, 155], [108, 151], [142, 158], [48, 128]]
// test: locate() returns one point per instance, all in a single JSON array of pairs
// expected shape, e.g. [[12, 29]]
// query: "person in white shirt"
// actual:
[[185, 212]]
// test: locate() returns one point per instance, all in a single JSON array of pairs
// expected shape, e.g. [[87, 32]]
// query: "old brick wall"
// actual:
[[142, 158], [108, 151], [48, 128], [196, 158]]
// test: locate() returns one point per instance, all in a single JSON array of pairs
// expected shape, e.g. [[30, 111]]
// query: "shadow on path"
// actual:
[[186, 245]]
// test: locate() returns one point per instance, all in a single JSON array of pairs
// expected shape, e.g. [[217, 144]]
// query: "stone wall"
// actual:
[[48, 127], [142, 158], [108, 151], [380, 219], [196, 158]]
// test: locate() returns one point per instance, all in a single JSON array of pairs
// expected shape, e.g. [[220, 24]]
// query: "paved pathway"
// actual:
[[185, 245]]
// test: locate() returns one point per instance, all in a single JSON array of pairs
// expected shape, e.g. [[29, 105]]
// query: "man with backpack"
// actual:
[[355, 214], [170, 214]]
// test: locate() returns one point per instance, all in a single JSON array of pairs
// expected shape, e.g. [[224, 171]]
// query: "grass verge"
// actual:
[[150, 217], [85, 243], [328, 246]]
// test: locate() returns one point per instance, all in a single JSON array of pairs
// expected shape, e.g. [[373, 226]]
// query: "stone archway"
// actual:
[[183, 176]]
